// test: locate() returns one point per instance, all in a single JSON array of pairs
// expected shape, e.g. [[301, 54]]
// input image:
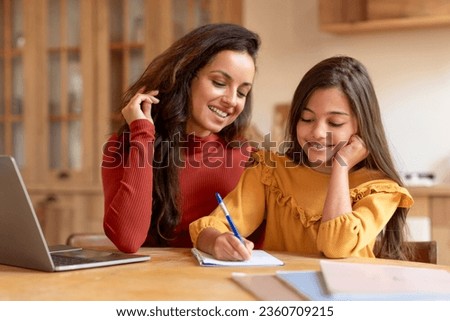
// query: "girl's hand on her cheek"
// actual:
[[140, 106], [227, 247], [353, 152]]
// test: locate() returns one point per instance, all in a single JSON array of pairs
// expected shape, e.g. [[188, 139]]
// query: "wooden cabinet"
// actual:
[[62, 213], [434, 202], [14, 60], [351, 16], [64, 65]]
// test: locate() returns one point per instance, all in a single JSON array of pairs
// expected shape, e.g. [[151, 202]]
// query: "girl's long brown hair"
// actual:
[[350, 76], [171, 73]]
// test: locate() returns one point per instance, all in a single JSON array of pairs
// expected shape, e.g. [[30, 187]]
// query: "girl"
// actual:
[[336, 189], [165, 158]]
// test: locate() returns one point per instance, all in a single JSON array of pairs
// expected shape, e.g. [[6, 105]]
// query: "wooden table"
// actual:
[[172, 274]]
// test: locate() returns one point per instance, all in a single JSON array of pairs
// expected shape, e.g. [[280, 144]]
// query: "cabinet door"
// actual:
[[46, 89], [12, 86], [67, 88]]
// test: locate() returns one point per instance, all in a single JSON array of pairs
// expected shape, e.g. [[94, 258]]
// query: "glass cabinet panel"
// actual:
[[188, 14], [2, 92], [18, 143], [136, 65], [54, 23], [2, 140], [73, 22], [17, 39], [116, 8], [2, 26], [135, 27], [18, 146], [54, 78], [17, 89]]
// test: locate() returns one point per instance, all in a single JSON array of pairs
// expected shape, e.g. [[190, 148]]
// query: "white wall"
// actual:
[[410, 70]]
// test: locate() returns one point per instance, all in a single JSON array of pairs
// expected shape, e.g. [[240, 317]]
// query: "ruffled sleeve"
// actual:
[[353, 234], [382, 186]]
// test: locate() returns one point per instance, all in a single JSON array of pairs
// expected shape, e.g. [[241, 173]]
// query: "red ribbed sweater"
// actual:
[[128, 183]]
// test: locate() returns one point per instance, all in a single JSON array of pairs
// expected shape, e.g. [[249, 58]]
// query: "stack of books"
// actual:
[[345, 281]]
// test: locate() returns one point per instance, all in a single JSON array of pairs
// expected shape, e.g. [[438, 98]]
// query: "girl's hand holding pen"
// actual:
[[140, 106], [228, 247], [224, 246]]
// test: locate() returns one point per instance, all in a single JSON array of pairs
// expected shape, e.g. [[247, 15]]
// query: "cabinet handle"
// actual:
[[63, 175], [51, 198]]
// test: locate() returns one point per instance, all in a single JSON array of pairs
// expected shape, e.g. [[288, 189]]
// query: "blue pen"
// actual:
[[227, 215]]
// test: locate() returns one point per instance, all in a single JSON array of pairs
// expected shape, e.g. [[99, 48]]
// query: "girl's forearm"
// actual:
[[337, 201]]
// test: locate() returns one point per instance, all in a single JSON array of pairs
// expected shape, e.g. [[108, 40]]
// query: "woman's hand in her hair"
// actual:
[[353, 152], [140, 106]]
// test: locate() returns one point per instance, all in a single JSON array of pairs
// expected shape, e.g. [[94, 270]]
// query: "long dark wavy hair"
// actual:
[[352, 78], [171, 73]]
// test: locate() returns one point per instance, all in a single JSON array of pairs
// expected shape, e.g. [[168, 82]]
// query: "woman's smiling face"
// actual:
[[219, 92], [326, 124]]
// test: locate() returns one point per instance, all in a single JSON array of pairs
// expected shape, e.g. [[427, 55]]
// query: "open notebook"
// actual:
[[22, 242], [259, 258]]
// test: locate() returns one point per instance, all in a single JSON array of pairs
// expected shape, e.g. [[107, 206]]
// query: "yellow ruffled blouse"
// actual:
[[291, 197]]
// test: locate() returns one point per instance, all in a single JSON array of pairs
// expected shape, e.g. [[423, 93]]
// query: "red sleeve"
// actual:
[[127, 186]]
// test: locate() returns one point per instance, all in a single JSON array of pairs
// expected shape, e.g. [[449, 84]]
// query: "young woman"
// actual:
[[182, 122], [334, 192]]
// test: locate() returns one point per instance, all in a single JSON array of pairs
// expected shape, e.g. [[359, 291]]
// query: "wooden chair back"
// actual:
[[421, 251], [89, 240], [424, 251]]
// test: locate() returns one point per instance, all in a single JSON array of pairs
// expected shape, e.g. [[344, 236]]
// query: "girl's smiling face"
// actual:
[[325, 125], [219, 92]]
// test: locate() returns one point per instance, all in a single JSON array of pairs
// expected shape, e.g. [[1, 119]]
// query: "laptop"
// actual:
[[22, 242]]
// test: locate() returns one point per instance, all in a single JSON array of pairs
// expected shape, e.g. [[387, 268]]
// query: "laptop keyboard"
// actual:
[[59, 260]]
